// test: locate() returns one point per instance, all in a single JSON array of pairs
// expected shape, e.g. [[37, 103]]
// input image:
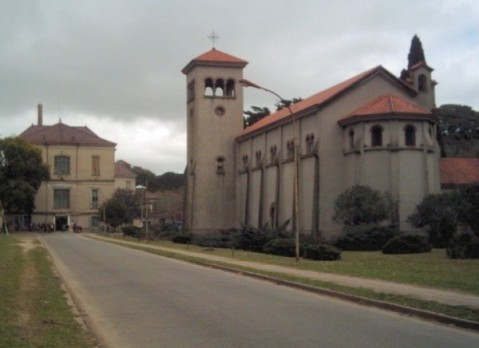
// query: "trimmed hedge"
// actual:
[[463, 246], [221, 239], [321, 252], [365, 237], [281, 247], [182, 238], [407, 244], [133, 231]]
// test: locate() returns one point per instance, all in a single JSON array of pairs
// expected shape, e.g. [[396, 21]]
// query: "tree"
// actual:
[[116, 212], [439, 213], [21, 174], [286, 102], [256, 114], [121, 208], [169, 181], [362, 205], [468, 207], [145, 177], [458, 130], [416, 53]]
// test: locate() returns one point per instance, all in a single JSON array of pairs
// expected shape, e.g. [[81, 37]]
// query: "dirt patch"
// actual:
[[26, 291], [29, 243]]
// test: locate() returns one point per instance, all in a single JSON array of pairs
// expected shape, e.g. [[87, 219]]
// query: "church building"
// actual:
[[372, 129]]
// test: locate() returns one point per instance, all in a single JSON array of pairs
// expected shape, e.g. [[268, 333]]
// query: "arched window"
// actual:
[[220, 165], [310, 143], [273, 151], [351, 139], [219, 88], [422, 83], [209, 88], [258, 156], [377, 136], [230, 88], [190, 95], [290, 149], [245, 160], [410, 135]]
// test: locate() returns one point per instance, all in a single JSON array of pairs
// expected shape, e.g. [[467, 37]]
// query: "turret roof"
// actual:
[[215, 57], [387, 105]]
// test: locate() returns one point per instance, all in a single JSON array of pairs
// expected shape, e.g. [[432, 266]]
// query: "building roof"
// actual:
[[215, 57], [459, 171], [123, 170], [62, 134], [320, 99], [387, 105]]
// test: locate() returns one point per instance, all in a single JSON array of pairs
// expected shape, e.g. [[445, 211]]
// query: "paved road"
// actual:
[[136, 299]]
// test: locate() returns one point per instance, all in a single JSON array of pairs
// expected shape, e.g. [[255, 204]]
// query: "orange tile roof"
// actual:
[[388, 104], [214, 57], [318, 100], [457, 171], [62, 134]]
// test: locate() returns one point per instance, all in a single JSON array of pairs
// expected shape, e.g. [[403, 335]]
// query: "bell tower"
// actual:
[[214, 120], [419, 75]]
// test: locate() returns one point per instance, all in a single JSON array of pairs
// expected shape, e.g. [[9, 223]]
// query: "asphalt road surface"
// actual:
[[136, 299]]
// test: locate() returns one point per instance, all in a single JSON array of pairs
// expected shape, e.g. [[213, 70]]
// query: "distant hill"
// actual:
[[458, 130]]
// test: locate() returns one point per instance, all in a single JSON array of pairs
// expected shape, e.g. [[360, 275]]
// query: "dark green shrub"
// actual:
[[254, 239], [463, 246], [407, 244], [182, 238], [133, 231], [365, 237], [280, 246], [439, 212], [322, 252], [361, 205], [218, 239]]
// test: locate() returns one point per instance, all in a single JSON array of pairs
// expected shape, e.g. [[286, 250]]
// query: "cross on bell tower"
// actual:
[[213, 37]]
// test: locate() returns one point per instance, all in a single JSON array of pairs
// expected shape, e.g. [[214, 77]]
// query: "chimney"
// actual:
[[40, 114]]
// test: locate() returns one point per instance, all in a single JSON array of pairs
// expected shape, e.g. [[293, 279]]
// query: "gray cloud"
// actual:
[[120, 61]]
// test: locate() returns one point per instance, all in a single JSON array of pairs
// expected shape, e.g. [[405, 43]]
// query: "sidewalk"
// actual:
[[447, 297]]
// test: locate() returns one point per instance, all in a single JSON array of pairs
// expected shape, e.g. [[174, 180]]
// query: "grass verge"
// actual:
[[432, 269], [461, 312], [35, 311]]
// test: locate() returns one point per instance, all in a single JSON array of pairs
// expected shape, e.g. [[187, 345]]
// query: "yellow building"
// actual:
[[82, 175]]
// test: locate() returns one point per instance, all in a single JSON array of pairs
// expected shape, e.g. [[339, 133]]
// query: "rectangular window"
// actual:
[[62, 165], [94, 198], [95, 165], [61, 199]]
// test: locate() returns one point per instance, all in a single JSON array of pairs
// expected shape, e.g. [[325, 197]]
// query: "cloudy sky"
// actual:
[[115, 65]]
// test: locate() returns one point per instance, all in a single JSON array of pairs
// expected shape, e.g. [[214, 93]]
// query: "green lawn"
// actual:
[[432, 269], [34, 310]]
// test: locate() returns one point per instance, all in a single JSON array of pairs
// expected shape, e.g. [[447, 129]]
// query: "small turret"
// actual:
[[418, 75]]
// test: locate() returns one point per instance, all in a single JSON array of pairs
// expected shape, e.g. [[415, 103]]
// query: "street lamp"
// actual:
[[247, 83], [146, 208]]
